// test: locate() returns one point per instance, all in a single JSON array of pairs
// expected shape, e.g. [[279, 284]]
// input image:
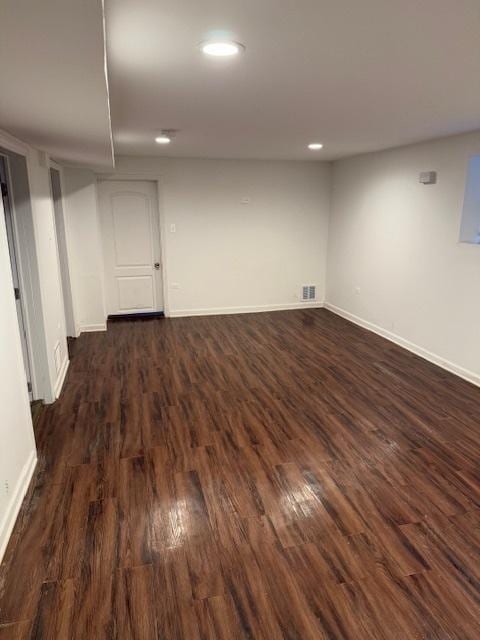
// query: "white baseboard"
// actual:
[[8, 521], [88, 328], [61, 377], [221, 311], [470, 376]]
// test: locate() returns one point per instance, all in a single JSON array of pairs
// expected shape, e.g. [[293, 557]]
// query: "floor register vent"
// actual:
[[309, 292]]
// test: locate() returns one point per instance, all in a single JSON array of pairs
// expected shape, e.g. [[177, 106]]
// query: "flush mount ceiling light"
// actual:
[[163, 138], [315, 146], [221, 48]]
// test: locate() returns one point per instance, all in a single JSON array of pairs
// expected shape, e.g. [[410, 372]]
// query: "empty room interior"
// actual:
[[240, 320]]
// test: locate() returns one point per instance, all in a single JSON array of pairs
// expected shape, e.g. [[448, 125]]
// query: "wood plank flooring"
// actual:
[[269, 476]]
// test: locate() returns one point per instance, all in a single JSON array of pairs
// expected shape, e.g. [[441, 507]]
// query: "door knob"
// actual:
[[157, 265]]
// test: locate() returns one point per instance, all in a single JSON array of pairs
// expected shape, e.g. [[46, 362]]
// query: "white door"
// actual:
[[131, 246]]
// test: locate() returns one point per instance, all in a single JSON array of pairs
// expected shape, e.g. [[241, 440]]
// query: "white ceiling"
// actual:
[[53, 89], [356, 76]]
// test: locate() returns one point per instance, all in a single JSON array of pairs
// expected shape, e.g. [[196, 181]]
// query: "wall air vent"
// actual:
[[309, 292]]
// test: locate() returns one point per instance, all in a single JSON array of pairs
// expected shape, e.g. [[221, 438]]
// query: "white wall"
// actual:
[[17, 444], [84, 248], [49, 270], [227, 256], [397, 241]]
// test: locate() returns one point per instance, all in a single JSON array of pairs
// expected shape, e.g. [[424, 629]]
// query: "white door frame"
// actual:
[[27, 260], [139, 177]]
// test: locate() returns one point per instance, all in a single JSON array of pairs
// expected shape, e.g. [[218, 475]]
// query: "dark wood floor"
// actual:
[[266, 476]]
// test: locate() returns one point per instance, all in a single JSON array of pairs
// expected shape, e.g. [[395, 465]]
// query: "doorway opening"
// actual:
[[15, 266], [61, 233]]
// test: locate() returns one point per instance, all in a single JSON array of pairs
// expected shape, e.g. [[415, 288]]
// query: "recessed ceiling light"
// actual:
[[315, 146], [221, 48], [164, 138]]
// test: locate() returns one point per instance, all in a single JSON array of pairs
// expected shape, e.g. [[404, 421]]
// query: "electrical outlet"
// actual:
[[357, 290], [7, 487], [175, 285], [173, 228]]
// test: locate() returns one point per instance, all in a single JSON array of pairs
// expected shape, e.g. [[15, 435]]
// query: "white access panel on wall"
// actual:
[[131, 246]]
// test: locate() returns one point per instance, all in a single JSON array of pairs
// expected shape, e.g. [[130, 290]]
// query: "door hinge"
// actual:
[[4, 189], [29, 387], [17, 293]]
